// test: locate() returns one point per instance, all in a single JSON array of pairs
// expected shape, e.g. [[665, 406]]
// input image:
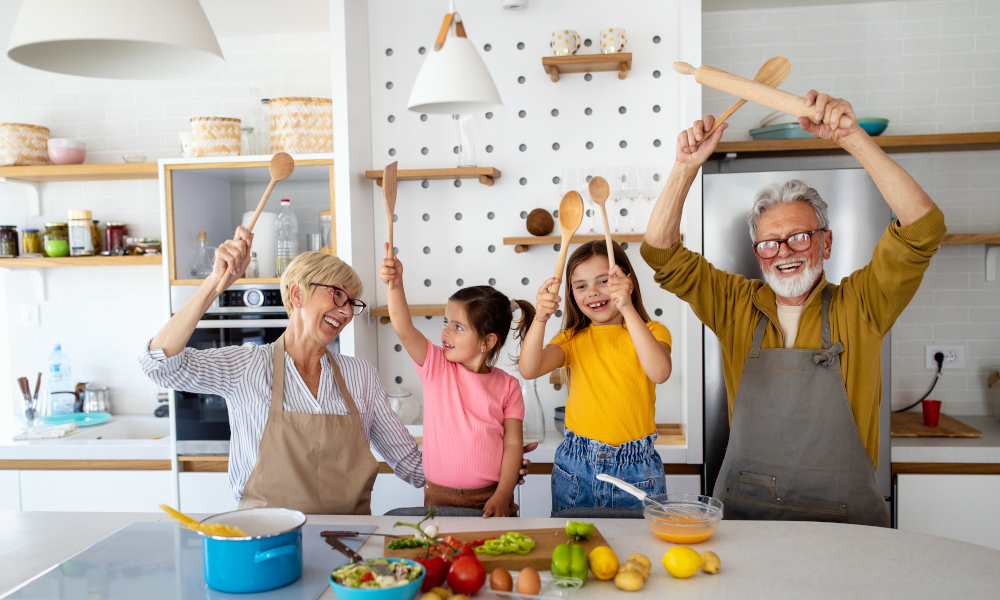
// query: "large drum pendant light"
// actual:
[[453, 78], [116, 39]]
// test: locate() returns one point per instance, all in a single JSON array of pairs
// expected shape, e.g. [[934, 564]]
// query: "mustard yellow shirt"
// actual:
[[611, 399]]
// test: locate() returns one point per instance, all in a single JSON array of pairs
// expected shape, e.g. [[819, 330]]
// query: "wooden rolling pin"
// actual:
[[758, 93]]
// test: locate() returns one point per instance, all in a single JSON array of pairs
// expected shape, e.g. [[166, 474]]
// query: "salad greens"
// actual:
[[361, 575]]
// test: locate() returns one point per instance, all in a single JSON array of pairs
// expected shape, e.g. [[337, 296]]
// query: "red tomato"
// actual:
[[367, 576], [437, 570], [466, 575]]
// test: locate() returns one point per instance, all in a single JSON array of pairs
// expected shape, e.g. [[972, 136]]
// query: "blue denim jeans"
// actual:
[[579, 460]]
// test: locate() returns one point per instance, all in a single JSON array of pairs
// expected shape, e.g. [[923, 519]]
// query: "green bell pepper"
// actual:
[[579, 531], [570, 560]]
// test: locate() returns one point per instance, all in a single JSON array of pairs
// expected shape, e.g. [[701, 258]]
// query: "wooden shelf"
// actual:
[[485, 175], [241, 281], [416, 310], [80, 261], [963, 239], [588, 63], [522, 244], [941, 142], [47, 173]]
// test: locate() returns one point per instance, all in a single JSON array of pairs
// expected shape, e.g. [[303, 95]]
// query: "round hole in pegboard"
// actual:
[[458, 249], [388, 51], [624, 245], [656, 108], [425, 184], [524, 281], [424, 150], [455, 150], [556, 180], [487, 47], [523, 181], [524, 214], [559, 313], [489, 148], [388, 85], [458, 183], [590, 145], [398, 379], [588, 178], [555, 213], [588, 213], [656, 176], [397, 348], [623, 212], [392, 152], [490, 216], [587, 42], [656, 143], [557, 247], [622, 110], [658, 312], [522, 113], [555, 146], [427, 283], [395, 250], [392, 119], [656, 73], [458, 216], [395, 218], [555, 112], [423, 117], [656, 39], [493, 281], [520, 45], [489, 115], [492, 248], [588, 111], [421, 50], [425, 217], [588, 77], [428, 317], [622, 144], [460, 282], [522, 147], [521, 79]]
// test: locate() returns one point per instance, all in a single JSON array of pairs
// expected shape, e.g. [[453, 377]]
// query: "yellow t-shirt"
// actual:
[[610, 397]]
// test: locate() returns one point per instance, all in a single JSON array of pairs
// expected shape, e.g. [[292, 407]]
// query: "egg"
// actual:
[[528, 582], [500, 580]]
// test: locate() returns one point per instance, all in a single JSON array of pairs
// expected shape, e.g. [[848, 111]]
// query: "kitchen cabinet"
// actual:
[[536, 493], [95, 491], [960, 507], [392, 492], [205, 493], [10, 490]]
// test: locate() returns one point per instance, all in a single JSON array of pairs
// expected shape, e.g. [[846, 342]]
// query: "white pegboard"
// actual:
[[427, 232]]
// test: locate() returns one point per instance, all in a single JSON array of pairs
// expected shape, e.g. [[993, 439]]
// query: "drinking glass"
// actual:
[[593, 213], [625, 216], [465, 128]]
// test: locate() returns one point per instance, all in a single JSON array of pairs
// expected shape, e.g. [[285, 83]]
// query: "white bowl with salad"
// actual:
[[359, 580]]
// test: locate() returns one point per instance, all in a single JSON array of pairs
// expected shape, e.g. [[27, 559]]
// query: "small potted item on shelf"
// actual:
[[56, 240]]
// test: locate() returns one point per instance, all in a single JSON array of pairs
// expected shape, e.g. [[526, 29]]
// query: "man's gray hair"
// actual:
[[793, 190]]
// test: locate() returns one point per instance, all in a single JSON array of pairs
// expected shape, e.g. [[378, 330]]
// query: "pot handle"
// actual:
[[274, 553]]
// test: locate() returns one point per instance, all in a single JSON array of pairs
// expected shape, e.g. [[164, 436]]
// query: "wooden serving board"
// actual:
[[910, 425], [540, 557]]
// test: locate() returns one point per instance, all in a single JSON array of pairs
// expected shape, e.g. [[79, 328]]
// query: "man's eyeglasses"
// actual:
[[800, 242], [340, 298]]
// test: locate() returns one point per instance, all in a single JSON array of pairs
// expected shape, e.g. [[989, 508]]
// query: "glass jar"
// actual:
[[31, 243], [534, 421], [95, 236], [8, 241], [81, 233], [56, 240], [114, 238], [326, 230]]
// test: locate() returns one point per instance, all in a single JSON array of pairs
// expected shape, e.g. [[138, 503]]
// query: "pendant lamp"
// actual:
[[453, 78], [116, 39]]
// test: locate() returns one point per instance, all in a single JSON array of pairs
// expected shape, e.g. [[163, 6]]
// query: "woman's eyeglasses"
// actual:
[[340, 298], [800, 242]]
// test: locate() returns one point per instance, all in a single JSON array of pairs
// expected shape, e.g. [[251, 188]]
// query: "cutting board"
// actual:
[[540, 557], [910, 425]]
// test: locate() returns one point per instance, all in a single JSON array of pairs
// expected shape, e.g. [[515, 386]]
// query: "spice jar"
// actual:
[[81, 233], [31, 243], [8, 241], [114, 238], [95, 236], [326, 230], [56, 240]]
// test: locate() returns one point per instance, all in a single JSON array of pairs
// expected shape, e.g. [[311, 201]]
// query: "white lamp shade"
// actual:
[[116, 39], [454, 80]]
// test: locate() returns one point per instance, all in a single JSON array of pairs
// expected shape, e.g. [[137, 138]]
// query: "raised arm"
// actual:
[[654, 355], [399, 311], [535, 360]]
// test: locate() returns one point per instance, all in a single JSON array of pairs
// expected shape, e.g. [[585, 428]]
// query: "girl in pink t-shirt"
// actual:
[[473, 411]]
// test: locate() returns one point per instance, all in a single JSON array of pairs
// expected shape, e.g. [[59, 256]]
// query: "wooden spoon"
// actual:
[[389, 199], [772, 73], [599, 192], [216, 529], [570, 217], [281, 168]]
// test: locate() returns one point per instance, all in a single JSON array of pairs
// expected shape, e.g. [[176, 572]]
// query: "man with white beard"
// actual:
[[801, 356]]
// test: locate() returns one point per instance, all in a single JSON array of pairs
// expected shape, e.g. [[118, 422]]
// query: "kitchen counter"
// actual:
[[765, 560], [124, 437], [952, 450]]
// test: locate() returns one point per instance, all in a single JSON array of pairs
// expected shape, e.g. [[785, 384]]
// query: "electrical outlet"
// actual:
[[28, 315], [954, 357]]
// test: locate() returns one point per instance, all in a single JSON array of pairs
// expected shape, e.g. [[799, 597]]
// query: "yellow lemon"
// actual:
[[603, 562], [681, 561]]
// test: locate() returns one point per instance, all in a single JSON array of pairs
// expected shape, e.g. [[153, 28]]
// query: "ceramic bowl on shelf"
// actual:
[[133, 158], [792, 131], [65, 151]]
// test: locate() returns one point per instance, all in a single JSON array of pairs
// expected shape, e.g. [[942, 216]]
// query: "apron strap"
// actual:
[[828, 357], [278, 375], [758, 336], [345, 393]]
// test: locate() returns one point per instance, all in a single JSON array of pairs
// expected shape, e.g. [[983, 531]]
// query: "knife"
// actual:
[[355, 557], [354, 534]]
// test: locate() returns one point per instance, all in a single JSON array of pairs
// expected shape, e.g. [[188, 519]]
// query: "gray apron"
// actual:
[[794, 451]]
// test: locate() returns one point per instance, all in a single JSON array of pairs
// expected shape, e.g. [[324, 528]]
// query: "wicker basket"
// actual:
[[301, 125], [215, 136], [22, 144]]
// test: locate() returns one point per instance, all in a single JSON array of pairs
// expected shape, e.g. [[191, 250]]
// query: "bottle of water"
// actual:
[[287, 227], [61, 396]]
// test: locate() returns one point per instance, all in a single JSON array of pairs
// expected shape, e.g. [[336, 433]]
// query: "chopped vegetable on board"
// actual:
[[579, 531]]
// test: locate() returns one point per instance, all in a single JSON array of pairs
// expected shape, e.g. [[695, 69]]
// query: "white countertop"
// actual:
[[765, 560], [952, 450], [124, 437]]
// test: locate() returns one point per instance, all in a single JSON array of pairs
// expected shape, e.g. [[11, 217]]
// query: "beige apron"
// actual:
[[318, 464]]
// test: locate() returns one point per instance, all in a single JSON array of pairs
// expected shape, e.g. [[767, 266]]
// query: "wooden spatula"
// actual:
[[599, 191], [772, 74], [570, 217], [389, 199], [281, 168]]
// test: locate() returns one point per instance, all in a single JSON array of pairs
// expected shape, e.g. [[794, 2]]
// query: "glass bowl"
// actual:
[[133, 158], [690, 519]]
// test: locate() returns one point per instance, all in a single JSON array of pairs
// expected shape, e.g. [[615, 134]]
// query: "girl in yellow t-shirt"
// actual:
[[616, 356]]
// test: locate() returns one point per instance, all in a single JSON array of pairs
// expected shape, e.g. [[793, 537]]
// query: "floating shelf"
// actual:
[[940, 142], [241, 281], [588, 63], [80, 261], [523, 244], [966, 239], [416, 310], [485, 175], [48, 173]]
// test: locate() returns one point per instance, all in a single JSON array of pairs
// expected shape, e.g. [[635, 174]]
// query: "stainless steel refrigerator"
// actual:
[[858, 218]]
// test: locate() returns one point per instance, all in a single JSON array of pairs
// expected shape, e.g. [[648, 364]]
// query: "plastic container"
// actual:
[[62, 393], [81, 235], [692, 518], [56, 240], [64, 151], [287, 229], [932, 412]]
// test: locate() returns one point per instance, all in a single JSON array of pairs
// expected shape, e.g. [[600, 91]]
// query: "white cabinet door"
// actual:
[[10, 490], [392, 492], [96, 491], [536, 496], [205, 493], [961, 507]]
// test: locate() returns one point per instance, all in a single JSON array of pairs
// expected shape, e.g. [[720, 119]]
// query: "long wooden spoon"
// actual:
[[599, 192], [216, 529], [389, 199], [281, 168], [772, 74], [570, 217]]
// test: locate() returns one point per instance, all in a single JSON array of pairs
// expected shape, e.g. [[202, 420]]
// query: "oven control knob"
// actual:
[[253, 298]]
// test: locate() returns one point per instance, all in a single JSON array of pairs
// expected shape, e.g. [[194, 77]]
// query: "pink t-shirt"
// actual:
[[463, 420]]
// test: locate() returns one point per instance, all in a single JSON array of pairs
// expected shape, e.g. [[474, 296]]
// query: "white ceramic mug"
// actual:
[[187, 145], [612, 40], [565, 42]]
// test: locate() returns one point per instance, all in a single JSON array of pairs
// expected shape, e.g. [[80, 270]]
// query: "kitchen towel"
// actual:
[[47, 433]]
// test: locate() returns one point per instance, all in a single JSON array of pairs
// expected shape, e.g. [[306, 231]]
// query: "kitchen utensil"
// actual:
[[355, 557], [268, 557], [29, 408], [911, 425], [96, 399], [341, 534], [403, 592], [281, 168], [389, 199], [772, 73], [599, 191], [540, 557], [570, 217], [628, 487], [689, 518], [193, 525], [80, 419], [754, 92]]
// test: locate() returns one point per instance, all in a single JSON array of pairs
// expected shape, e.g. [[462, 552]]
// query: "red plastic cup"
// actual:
[[932, 411]]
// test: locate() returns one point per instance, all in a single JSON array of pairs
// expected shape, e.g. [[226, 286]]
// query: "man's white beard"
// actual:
[[793, 287]]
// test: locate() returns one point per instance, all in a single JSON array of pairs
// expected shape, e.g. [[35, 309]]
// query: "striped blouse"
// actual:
[[243, 374]]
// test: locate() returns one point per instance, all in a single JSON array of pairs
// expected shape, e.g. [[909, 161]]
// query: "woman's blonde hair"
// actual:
[[317, 267]]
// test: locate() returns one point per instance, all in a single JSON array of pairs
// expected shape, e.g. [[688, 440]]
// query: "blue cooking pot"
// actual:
[[269, 557]]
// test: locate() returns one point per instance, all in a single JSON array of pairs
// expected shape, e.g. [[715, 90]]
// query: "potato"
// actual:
[[440, 592], [460, 597], [634, 565], [710, 562], [641, 559], [430, 596], [630, 581]]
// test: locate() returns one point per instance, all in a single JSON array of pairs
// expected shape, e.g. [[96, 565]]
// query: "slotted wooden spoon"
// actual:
[[570, 217], [599, 192], [389, 199], [772, 74], [281, 168]]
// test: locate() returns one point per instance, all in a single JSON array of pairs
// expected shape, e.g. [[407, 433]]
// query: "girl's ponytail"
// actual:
[[527, 316]]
